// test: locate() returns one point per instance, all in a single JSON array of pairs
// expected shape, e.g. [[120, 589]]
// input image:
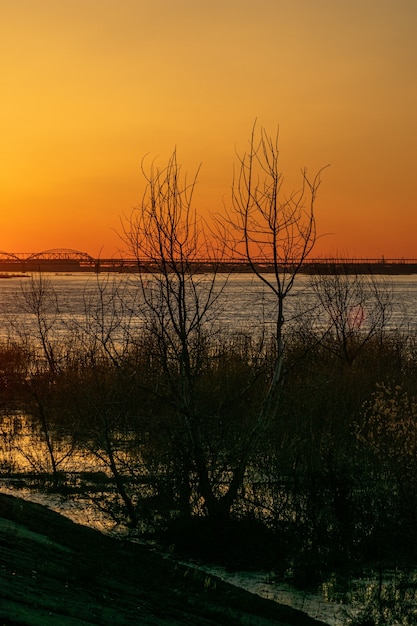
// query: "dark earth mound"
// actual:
[[55, 572]]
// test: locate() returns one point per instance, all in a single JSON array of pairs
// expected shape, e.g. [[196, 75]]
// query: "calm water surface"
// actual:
[[243, 303]]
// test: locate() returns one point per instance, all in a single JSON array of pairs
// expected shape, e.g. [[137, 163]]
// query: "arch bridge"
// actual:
[[53, 260], [60, 254]]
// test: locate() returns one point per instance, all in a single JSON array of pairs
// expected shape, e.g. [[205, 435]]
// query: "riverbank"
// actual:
[[56, 572]]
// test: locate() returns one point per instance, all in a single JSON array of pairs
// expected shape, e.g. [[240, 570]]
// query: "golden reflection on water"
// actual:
[[24, 449]]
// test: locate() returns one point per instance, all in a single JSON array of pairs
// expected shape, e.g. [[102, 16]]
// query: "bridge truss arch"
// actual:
[[8, 256], [61, 254]]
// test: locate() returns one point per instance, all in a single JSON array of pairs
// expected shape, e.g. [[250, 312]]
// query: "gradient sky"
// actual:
[[88, 87]]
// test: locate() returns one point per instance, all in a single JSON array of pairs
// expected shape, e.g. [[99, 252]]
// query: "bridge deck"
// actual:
[[84, 263]]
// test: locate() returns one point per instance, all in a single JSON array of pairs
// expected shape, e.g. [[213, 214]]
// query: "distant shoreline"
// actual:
[[21, 268], [6, 275]]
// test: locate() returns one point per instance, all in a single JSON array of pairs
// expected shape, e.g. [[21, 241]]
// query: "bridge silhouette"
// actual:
[[67, 260], [61, 260]]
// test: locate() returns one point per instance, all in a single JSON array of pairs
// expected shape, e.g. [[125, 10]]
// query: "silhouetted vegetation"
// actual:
[[331, 482], [294, 449]]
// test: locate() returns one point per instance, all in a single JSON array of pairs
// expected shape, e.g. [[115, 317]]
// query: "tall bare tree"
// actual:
[[169, 241], [45, 354], [276, 231], [179, 287]]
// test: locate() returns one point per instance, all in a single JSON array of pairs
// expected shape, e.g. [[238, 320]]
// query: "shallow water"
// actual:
[[264, 584]]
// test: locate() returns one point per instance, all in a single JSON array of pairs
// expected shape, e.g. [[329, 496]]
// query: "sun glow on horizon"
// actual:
[[90, 88]]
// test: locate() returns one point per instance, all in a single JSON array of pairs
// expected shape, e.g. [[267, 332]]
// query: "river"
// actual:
[[243, 301]]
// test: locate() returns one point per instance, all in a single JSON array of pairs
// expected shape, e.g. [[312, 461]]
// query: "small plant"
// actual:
[[210, 583], [387, 603]]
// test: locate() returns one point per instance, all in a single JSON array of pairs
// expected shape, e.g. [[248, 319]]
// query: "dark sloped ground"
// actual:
[[55, 572]]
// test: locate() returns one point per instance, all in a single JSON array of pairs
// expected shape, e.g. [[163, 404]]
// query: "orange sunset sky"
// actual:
[[88, 87]]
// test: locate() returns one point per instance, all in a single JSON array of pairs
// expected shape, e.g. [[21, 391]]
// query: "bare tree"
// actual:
[[169, 241], [276, 231], [44, 356], [105, 329], [41, 303], [355, 309], [179, 287]]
